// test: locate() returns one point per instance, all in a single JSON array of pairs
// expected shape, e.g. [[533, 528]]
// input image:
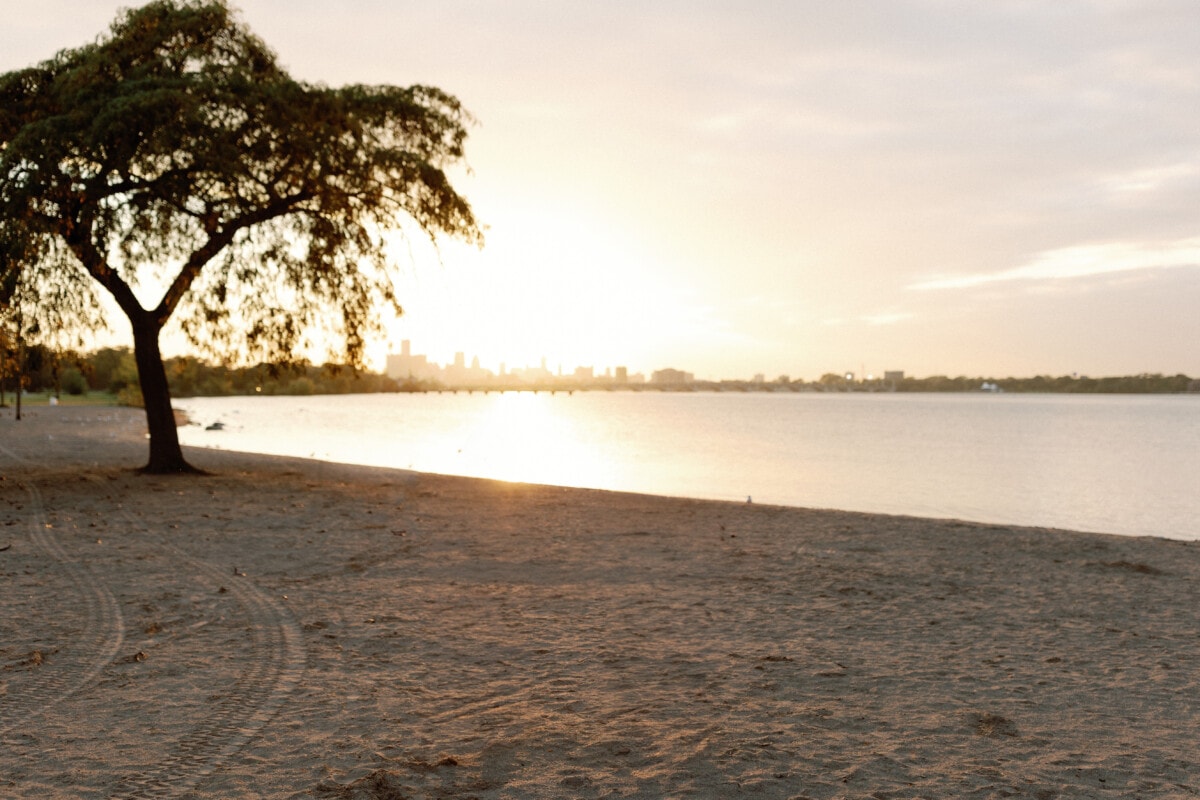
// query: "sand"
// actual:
[[283, 628]]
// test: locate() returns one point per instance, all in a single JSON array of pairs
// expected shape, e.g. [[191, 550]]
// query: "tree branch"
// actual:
[[217, 242], [78, 236]]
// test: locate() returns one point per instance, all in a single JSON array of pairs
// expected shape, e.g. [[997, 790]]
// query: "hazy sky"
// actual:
[[787, 187]]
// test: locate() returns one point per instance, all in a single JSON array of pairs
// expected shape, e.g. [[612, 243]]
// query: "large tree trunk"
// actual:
[[166, 456]]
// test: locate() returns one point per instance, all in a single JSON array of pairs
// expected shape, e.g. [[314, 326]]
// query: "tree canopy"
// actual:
[[176, 156]]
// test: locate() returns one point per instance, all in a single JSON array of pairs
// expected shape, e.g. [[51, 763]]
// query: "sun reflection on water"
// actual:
[[527, 438]]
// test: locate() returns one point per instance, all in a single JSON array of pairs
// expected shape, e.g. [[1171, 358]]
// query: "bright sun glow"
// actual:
[[556, 283]]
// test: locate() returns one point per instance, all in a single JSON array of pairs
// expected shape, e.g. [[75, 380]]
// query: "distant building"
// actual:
[[622, 375], [537, 374], [406, 366], [455, 374], [671, 377], [459, 374]]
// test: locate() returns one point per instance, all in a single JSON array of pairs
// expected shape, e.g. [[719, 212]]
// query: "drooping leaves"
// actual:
[[175, 155], [176, 152]]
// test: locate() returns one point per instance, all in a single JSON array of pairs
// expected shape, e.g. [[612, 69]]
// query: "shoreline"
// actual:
[[285, 628]]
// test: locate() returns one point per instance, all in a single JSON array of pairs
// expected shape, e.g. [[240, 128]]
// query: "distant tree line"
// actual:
[[114, 370], [1066, 384], [1146, 383]]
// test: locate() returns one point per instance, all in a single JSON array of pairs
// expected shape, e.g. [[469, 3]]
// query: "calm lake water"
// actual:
[[1115, 464]]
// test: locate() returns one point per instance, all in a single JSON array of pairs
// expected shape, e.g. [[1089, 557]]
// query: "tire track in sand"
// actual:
[[251, 698], [92, 607]]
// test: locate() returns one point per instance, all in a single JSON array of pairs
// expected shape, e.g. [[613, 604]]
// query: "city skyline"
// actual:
[[973, 189], [407, 365]]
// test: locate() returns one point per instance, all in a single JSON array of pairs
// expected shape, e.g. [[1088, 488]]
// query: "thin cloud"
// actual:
[[1083, 261], [1151, 179], [873, 320], [887, 318]]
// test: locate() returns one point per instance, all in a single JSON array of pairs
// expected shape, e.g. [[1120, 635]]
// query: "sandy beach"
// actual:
[[281, 628]]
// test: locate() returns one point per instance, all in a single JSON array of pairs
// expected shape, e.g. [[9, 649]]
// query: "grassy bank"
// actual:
[[43, 399]]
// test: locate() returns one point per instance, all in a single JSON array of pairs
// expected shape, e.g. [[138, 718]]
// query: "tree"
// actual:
[[175, 155]]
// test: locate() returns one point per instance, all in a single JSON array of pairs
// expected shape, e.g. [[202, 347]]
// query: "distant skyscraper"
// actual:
[[406, 366]]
